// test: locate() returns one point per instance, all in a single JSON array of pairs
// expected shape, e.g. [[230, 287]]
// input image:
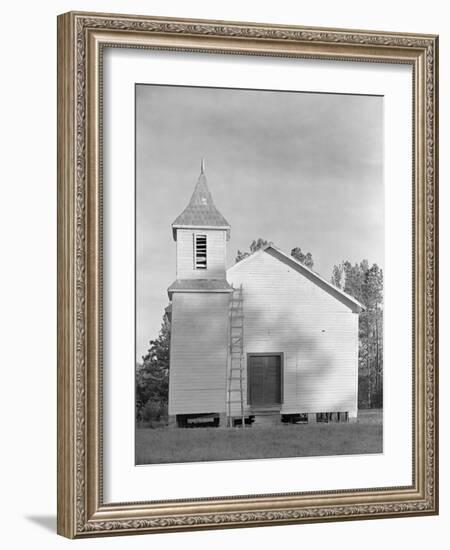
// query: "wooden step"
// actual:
[[272, 419]]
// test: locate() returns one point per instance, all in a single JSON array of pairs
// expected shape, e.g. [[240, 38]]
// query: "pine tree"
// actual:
[[337, 278]]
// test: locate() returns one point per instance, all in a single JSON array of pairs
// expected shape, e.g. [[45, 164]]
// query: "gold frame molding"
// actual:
[[81, 37]]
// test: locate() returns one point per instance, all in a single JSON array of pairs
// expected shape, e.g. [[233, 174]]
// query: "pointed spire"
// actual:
[[201, 211]]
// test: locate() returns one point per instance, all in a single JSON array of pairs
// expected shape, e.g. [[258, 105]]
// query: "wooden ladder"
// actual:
[[235, 391]]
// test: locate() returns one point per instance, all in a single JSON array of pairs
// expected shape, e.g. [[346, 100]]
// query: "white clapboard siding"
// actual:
[[198, 352], [215, 250], [285, 312]]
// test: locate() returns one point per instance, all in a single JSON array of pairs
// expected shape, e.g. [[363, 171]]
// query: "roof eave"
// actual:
[[171, 291], [199, 285], [176, 226], [359, 307], [342, 296]]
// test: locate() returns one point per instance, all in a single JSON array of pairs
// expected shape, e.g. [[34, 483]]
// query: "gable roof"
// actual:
[[277, 253], [201, 210]]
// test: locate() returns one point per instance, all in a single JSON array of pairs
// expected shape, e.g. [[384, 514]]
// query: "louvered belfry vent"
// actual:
[[200, 250]]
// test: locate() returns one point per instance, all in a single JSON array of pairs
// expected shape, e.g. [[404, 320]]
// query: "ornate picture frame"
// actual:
[[82, 39]]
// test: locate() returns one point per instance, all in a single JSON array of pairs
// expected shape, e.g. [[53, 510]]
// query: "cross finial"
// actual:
[[202, 166]]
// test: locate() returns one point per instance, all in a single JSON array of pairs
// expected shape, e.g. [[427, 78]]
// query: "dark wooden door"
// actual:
[[264, 380]]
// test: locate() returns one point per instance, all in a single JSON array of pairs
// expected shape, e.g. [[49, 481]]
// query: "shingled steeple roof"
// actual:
[[201, 211]]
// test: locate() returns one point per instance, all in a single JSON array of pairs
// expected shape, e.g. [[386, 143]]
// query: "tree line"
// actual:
[[362, 281], [365, 283], [303, 257], [152, 378]]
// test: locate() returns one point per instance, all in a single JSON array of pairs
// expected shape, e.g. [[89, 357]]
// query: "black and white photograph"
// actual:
[[259, 274]]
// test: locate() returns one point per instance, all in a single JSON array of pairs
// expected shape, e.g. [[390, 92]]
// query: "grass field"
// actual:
[[291, 440]]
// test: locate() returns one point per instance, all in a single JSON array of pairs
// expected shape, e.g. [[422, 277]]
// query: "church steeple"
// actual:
[[201, 211], [201, 233]]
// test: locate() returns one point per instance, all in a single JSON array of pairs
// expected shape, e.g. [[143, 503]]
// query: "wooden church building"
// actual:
[[265, 341]]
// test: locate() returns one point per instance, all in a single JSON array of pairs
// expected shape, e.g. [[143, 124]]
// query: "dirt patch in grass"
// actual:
[[164, 445]]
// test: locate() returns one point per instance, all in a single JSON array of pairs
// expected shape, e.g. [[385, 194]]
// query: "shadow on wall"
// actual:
[[315, 362], [308, 362], [208, 329]]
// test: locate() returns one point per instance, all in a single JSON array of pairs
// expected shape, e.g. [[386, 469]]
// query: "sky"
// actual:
[[297, 169]]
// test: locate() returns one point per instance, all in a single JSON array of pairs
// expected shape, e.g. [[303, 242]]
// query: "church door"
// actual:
[[264, 378]]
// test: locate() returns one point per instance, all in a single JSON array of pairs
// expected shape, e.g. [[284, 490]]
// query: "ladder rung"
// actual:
[[236, 370]]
